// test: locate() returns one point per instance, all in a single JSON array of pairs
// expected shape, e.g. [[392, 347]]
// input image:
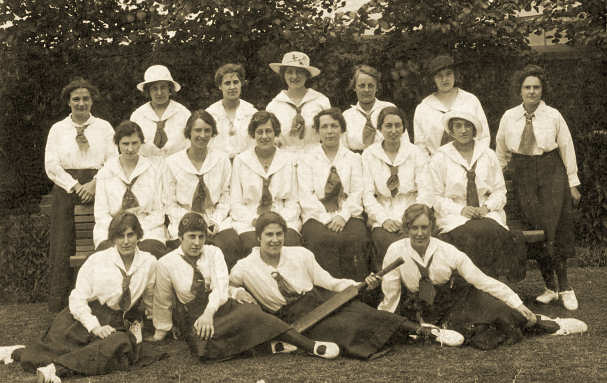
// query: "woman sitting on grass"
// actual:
[[100, 330]]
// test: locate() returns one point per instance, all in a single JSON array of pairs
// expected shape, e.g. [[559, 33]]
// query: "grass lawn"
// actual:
[[562, 359]]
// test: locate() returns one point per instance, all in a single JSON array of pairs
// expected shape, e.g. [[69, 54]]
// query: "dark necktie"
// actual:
[[265, 204], [427, 292], [298, 125], [285, 288], [198, 283], [201, 200], [527, 138], [160, 138], [333, 189], [393, 182], [125, 299], [368, 130], [471, 191], [129, 199], [81, 140]]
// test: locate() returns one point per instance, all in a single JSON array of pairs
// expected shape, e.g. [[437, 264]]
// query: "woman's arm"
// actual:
[[80, 295], [163, 300], [239, 211], [311, 207], [101, 210], [52, 163], [390, 283]]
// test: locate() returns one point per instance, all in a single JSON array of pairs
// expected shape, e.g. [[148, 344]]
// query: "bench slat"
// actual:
[[84, 218], [83, 210]]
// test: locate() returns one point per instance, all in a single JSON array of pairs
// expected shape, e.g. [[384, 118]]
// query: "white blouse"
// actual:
[[99, 279], [550, 131], [174, 278], [427, 121], [314, 169], [232, 136], [356, 120], [181, 179], [449, 182], [312, 103], [247, 187], [297, 266], [176, 116], [62, 151], [413, 179], [447, 259], [111, 185]]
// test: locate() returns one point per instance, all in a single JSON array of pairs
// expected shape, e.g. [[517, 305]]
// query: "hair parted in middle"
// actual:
[[335, 113], [199, 114], [261, 117]]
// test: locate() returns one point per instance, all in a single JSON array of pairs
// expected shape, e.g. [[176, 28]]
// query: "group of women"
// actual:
[[226, 197]]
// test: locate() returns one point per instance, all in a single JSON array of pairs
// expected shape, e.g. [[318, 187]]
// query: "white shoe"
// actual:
[[570, 326], [547, 296], [135, 329], [279, 347], [569, 300], [444, 336], [47, 374], [6, 353], [327, 350]]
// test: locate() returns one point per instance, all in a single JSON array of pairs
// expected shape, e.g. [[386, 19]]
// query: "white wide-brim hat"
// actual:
[[158, 73], [461, 115], [297, 60]]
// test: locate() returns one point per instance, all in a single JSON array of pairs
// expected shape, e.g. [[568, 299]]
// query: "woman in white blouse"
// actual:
[[296, 106], [231, 113], [486, 311], [264, 178], [288, 282], [428, 129], [100, 330], [129, 182], [395, 177], [469, 195], [161, 119], [198, 179], [361, 118], [536, 141], [192, 294], [76, 148], [330, 195]]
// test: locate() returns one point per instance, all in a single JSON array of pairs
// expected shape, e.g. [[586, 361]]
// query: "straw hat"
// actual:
[[297, 60], [158, 73], [461, 115]]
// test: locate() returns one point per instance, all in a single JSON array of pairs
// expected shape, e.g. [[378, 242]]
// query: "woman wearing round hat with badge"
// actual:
[[469, 195], [161, 119], [427, 126], [296, 106]]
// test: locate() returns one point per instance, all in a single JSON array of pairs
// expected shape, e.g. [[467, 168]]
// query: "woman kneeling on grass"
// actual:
[[213, 325], [100, 330], [288, 282], [486, 311]]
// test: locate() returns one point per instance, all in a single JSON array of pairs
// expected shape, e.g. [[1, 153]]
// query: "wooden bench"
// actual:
[[514, 220]]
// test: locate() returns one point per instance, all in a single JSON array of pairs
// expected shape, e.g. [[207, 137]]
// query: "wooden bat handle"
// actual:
[[390, 267]]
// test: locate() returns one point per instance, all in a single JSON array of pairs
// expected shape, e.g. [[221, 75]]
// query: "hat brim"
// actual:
[[314, 71], [175, 84], [463, 116]]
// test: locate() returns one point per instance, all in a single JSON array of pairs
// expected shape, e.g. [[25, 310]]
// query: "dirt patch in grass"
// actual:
[[563, 359]]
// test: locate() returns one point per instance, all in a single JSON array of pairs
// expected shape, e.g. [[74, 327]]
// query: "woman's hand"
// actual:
[[528, 314], [86, 192], [103, 331], [482, 211], [336, 224], [203, 326], [391, 225], [469, 212], [243, 296], [575, 196], [372, 281]]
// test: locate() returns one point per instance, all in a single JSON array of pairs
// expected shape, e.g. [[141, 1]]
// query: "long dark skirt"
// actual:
[[62, 240], [238, 327], [249, 240], [495, 250], [542, 190], [382, 239], [345, 254], [229, 243], [152, 246], [69, 345], [358, 329]]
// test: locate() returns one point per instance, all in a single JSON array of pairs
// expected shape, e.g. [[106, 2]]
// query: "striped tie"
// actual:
[[393, 182], [81, 140]]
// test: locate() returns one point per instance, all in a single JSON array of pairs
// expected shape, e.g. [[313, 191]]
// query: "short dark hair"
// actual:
[[283, 69], [261, 117], [335, 113], [229, 68], [199, 114], [77, 83], [390, 110], [269, 218], [529, 71], [123, 221], [146, 87], [191, 222], [125, 129], [415, 211], [369, 71]]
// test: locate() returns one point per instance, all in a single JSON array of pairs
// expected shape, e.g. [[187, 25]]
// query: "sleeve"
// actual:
[[501, 149], [148, 293], [222, 208], [311, 207], [485, 136], [352, 205], [390, 283], [374, 209], [290, 212], [80, 295], [438, 174], [321, 277], [422, 179], [101, 209], [239, 211], [163, 299], [111, 150], [52, 164], [419, 136], [219, 282], [173, 210], [567, 150], [153, 217], [497, 199]]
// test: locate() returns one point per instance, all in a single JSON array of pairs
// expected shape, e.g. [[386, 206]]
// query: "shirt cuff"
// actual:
[[91, 323], [573, 180]]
